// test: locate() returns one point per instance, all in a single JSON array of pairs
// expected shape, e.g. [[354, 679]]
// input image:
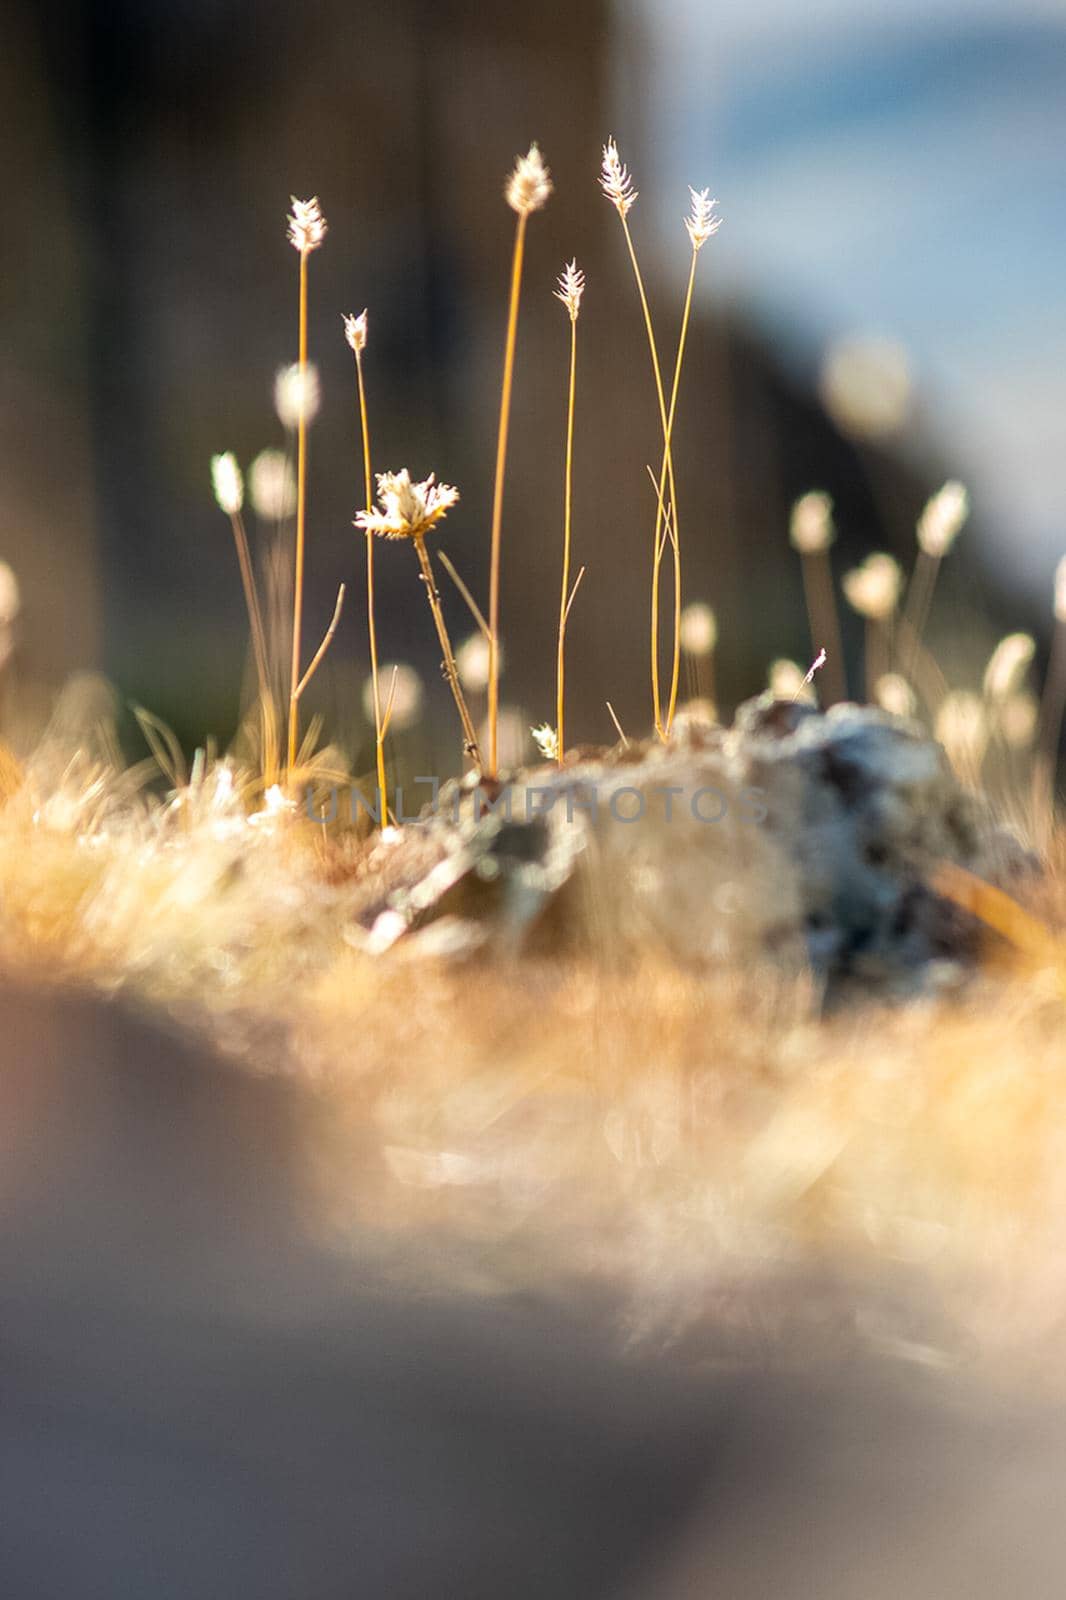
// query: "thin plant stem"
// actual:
[[618, 726], [450, 671], [497, 495], [327, 640], [916, 607], [824, 621], [379, 734], [667, 452], [472, 605], [251, 600], [676, 668], [878, 655], [301, 511], [565, 596]]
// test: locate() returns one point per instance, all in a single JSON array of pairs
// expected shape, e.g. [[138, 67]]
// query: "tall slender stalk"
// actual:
[[497, 493], [571, 288], [251, 601], [527, 190], [450, 670], [674, 540], [668, 472], [307, 229], [355, 331]]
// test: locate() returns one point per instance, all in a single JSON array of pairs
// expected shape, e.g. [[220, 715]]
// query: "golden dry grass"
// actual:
[[676, 1132]]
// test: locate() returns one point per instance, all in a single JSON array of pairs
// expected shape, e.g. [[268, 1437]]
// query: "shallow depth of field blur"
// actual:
[[882, 313], [882, 310]]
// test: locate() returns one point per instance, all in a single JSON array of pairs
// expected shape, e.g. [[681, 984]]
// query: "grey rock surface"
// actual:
[[808, 837]]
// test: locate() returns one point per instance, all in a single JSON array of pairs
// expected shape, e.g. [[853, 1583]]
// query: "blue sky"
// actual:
[[901, 171]]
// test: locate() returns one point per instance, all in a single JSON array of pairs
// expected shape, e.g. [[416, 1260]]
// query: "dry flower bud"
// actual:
[[873, 589], [701, 221], [355, 332], [530, 183], [962, 728], [811, 526], [571, 288], [272, 486], [895, 695], [788, 681], [228, 483], [307, 225], [546, 740], [1008, 664], [942, 519], [472, 662], [699, 629], [297, 393], [615, 180]]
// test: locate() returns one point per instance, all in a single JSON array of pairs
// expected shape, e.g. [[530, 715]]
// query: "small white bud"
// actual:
[[228, 483]]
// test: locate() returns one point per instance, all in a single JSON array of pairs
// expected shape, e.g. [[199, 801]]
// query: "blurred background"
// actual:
[[883, 308]]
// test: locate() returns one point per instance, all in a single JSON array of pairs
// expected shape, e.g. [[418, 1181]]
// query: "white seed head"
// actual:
[[546, 740], [962, 728], [10, 599], [529, 185], [699, 629], [400, 689], [895, 695], [228, 483], [811, 526], [307, 225], [615, 181], [355, 331], [472, 663], [873, 589], [407, 510], [788, 681], [1059, 605], [1018, 716], [571, 288], [297, 393], [701, 221], [272, 486], [942, 519], [1008, 664]]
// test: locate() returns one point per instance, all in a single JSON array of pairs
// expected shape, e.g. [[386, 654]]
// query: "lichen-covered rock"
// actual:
[[804, 836]]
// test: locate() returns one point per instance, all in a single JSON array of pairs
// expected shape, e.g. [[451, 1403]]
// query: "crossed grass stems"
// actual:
[[409, 510]]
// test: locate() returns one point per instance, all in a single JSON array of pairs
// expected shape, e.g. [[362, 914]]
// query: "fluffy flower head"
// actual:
[[571, 288], [307, 225], [873, 589], [699, 629], [811, 527], [529, 185], [615, 180], [1008, 664], [943, 517], [228, 483], [272, 486], [701, 221], [297, 394], [407, 510], [355, 331], [546, 740]]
